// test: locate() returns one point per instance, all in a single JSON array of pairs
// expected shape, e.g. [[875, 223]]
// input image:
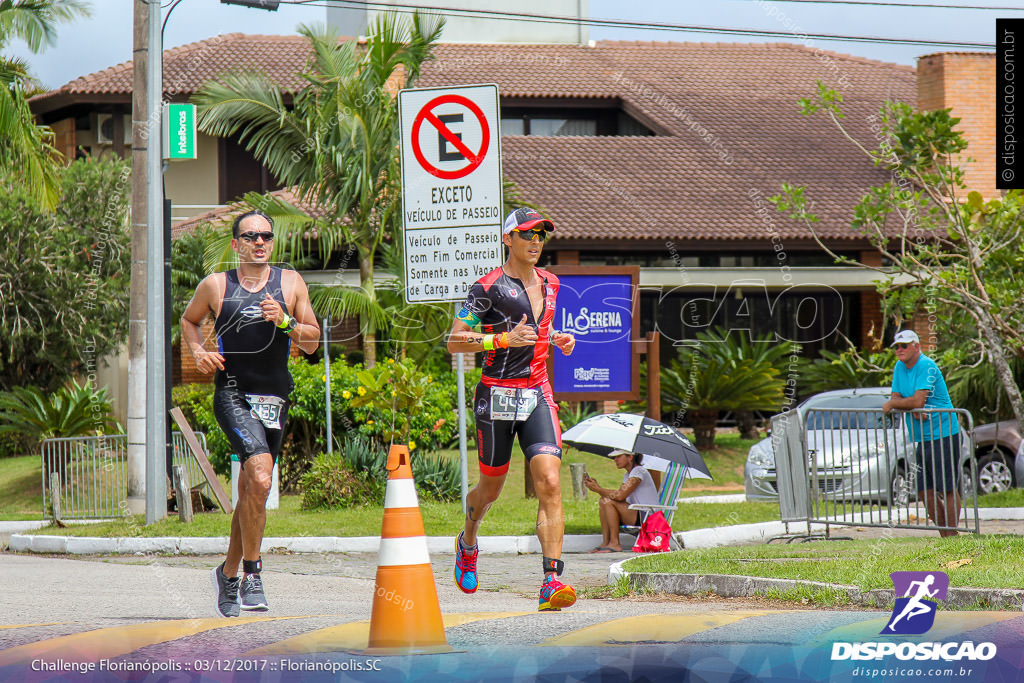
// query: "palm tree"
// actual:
[[719, 372], [415, 328], [35, 21], [24, 145], [734, 346], [704, 384], [338, 143]]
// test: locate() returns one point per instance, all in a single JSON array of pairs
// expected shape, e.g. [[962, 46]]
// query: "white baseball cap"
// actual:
[[905, 337], [617, 452]]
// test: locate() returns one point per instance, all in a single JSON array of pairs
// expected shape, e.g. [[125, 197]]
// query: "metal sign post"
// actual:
[[451, 201], [327, 382]]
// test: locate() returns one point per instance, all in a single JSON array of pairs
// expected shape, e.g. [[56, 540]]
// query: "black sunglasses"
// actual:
[[253, 236], [901, 345], [528, 235]]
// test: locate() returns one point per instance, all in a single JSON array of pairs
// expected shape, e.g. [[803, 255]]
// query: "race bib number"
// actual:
[[266, 409], [513, 404]]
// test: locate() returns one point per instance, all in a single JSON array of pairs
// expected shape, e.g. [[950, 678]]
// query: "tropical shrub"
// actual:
[[64, 281], [359, 475], [735, 346], [713, 374], [76, 410], [331, 483], [976, 388], [27, 416], [570, 415], [437, 477], [431, 426], [847, 369], [431, 423]]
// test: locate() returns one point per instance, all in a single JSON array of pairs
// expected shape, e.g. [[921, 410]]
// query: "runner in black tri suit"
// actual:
[[514, 306], [250, 401]]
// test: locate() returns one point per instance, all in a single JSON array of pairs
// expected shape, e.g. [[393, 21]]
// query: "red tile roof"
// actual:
[[727, 114]]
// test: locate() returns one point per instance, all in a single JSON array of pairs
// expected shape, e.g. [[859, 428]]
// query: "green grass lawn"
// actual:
[[21, 488], [512, 514], [994, 562]]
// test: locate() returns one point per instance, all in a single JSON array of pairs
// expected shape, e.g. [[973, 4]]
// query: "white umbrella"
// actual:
[[657, 441]]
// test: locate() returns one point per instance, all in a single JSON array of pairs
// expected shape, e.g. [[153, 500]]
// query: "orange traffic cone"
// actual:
[[406, 616]]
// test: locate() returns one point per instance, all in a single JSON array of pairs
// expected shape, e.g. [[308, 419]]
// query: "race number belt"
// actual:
[[513, 404], [266, 409]]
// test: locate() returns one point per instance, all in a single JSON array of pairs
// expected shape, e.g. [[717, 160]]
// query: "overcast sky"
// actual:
[[106, 38]]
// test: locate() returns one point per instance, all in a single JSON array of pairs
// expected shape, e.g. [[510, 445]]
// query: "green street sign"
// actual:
[[179, 131]]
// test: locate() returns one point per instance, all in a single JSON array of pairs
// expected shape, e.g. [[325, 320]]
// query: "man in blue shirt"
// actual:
[[917, 382]]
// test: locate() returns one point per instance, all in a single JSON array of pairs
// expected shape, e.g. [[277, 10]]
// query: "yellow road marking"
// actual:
[[657, 628], [49, 623], [356, 635], [107, 643], [947, 625]]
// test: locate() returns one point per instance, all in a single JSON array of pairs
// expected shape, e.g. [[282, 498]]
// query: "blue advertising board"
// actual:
[[598, 307]]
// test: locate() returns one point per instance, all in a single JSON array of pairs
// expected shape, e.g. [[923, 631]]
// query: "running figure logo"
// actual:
[[914, 613]]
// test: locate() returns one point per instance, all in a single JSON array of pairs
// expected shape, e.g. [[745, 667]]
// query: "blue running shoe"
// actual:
[[554, 595], [465, 567]]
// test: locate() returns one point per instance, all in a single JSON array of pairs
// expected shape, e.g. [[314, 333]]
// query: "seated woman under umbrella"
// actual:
[[637, 487]]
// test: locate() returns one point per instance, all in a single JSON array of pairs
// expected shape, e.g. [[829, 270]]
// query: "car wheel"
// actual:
[[994, 475], [899, 487]]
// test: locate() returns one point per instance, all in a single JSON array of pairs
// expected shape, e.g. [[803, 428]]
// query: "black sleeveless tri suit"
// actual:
[[250, 399]]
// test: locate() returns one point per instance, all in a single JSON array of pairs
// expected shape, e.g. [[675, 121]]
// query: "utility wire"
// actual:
[[902, 4], [659, 26]]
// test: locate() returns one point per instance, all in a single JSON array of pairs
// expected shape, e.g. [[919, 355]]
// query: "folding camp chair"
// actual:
[[667, 496]]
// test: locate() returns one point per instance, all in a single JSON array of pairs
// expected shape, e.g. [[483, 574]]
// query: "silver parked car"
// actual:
[[849, 450]]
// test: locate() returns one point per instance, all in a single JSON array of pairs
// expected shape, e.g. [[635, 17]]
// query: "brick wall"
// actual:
[[924, 329], [189, 373], [871, 322], [567, 258], [966, 83]]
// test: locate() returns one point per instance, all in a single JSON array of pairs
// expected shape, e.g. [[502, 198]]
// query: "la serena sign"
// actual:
[[451, 189]]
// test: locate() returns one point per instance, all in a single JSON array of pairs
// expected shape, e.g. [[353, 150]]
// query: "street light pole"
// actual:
[[136, 502], [156, 408]]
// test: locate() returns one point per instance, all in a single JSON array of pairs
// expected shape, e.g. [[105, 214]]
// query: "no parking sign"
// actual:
[[451, 189]]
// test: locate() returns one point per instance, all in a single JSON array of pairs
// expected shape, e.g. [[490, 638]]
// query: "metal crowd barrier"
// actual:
[[859, 467], [92, 473]]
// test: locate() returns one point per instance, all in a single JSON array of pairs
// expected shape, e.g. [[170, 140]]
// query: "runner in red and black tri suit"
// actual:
[[514, 306]]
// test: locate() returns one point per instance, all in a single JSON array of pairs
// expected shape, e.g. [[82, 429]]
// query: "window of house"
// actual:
[[666, 258], [574, 118], [240, 172], [817, 320]]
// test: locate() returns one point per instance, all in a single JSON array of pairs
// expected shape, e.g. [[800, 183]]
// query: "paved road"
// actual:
[[157, 611]]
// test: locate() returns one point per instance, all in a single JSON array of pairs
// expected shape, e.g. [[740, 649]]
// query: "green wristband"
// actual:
[[288, 324], [488, 342]]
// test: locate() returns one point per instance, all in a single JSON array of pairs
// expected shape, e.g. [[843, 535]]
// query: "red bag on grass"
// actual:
[[655, 535]]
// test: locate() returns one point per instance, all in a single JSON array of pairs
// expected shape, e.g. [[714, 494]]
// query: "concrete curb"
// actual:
[[692, 540], [729, 586], [723, 498], [87, 545], [7, 528]]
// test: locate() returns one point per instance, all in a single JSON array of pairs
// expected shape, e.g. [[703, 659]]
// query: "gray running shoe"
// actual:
[[251, 595], [227, 593]]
